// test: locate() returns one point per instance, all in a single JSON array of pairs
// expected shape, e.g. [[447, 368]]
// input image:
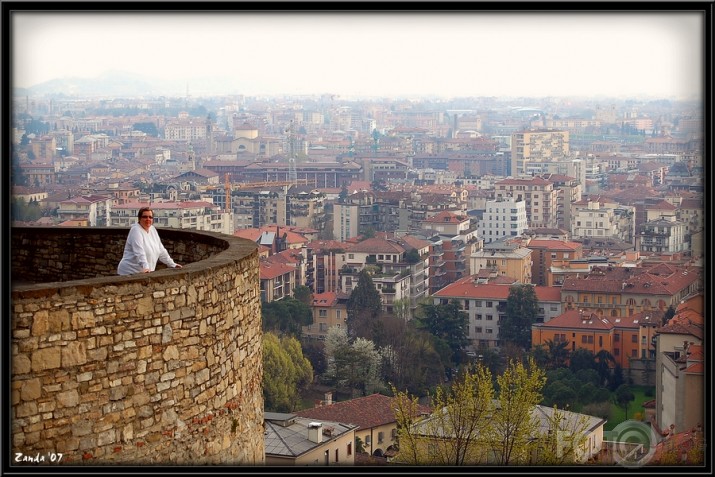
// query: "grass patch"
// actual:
[[617, 413]]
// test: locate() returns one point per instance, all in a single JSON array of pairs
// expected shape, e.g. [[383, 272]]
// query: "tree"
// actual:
[[448, 323], [364, 308], [522, 308], [580, 359], [303, 294], [604, 360], [146, 127], [353, 365], [463, 412], [623, 397], [286, 316], [285, 372], [558, 353], [513, 424], [565, 440]]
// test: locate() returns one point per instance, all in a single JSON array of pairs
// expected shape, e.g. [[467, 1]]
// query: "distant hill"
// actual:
[[120, 83]]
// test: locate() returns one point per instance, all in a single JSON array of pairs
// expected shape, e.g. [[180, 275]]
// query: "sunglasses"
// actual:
[[147, 216]]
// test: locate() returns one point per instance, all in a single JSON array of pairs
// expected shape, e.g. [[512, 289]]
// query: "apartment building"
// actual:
[[390, 270], [329, 309], [357, 214], [540, 197], [95, 209], [627, 339], [505, 258], [680, 368], [485, 303], [547, 252], [600, 218], [537, 145], [503, 218], [663, 235], [195, 215], [624, 291]]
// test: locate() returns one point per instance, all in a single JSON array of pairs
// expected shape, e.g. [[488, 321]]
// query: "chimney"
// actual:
[[328, 398], [315, 432]]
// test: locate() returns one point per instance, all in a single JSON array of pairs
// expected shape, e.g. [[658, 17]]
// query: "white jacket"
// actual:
[[143, 250]]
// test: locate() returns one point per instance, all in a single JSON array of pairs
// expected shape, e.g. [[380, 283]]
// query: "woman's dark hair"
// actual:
[[144, 209]]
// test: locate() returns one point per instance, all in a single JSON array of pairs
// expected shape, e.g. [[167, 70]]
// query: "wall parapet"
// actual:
[[158, 368]]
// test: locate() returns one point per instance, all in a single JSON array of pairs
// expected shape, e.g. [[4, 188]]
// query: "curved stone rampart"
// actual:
[[160, 368]]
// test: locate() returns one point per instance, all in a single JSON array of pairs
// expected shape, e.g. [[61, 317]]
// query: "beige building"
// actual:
[[505, 258], [298, 441], [539, 195], [537, 145], [95, 209], [680, 369], [373, 415], [329, 309], [601, 219]]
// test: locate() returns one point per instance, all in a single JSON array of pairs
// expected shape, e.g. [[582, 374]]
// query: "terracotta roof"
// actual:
[[377, 245], [573, 319], [446, 217], [327, 299], [531, 181], [365, 412], [467, 287], [270, 270], [553, 244], [661, 279]]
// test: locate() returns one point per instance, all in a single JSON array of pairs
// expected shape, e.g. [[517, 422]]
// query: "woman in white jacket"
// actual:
[[144, 248]]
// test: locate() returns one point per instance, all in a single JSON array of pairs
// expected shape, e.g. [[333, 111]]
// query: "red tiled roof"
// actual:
[[553, 244], [661, 279], [326, 299], [271, 270], [377, 245], [573, 319], [467, 287], [366, 412]]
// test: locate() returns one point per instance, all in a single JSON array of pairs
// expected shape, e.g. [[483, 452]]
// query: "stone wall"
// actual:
[[160, 368]]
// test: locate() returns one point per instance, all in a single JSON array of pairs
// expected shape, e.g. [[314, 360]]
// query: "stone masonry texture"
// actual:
[[152, 369]]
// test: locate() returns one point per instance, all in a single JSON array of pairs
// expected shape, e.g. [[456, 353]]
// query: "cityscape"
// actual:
[[408, 256]]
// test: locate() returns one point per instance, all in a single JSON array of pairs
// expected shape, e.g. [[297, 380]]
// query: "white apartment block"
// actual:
[[594, 219], [95, 209], [178, 215], [503, 218]]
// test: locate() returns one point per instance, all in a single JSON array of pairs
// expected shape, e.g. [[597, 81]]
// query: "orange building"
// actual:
[[626, 338], [623, 291], [545, 253]]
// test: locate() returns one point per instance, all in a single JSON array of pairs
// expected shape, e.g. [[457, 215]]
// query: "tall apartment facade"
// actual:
[[540, 197], [537, 145], [503, 218]]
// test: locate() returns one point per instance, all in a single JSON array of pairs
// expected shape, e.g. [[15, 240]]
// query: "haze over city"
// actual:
[[641, 54]]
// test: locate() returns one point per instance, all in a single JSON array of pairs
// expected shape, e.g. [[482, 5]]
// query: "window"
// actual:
[[466, 304], [479, 317], [380, 437], [350, 448], [489, 304], [478, 303], [600, 341], [616, 352], [351, 255], [634, 353], [368, 440], [490, 317], [634, 339], [489, 330], [336, 455], [617, 338], [478, 329], [323, 313]]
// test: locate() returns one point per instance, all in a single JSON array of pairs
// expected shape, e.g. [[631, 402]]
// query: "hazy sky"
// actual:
[[444, 54]]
